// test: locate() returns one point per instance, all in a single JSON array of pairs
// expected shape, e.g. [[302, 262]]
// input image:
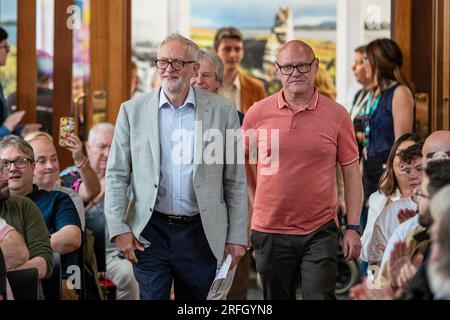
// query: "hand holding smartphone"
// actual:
[[67, 125]]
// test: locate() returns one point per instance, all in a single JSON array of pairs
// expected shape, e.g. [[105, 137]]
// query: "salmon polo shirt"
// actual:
[[297, 154]]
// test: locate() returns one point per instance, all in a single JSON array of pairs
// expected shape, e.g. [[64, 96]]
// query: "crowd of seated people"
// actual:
[[406, 238]]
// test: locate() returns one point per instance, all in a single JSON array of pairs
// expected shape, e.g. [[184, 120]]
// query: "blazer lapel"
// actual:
[[203, 116], [151, 123]]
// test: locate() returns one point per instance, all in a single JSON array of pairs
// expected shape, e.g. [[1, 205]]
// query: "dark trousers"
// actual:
[[178, 253], [282, 260], [373, 169]]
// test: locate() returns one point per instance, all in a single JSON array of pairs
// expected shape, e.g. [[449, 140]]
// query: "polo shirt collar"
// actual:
[[190, 99], [310, 105]]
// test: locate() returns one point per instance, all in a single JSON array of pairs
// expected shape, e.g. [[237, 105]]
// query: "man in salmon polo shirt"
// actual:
[[298, 137]]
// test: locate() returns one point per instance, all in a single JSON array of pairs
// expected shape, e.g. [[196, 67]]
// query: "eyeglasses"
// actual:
[[176, 64], [288, 69], [438, 155], [19, 163], [407, 169], [419, 193]]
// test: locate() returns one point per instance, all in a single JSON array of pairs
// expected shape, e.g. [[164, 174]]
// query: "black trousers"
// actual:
[[282, 260], [178, 252]]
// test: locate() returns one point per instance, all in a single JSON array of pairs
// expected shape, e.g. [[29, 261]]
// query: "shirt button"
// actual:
[[156, 186]]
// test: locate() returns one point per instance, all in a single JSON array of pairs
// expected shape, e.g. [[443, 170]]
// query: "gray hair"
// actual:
[[215, 60], [19, 143], [102, 126], [192, 48]]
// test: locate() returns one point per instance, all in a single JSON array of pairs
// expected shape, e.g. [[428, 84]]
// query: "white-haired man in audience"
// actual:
[[118, 269]]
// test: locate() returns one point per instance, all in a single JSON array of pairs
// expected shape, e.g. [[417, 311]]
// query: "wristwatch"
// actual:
[[355, 227]]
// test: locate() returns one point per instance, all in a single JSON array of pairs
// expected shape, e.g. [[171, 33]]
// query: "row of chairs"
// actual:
[[24, 283]]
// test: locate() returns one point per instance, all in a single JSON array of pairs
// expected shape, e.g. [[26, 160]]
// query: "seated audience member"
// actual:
[[46, 170], [85, 181], [389, 219], [14, 252], [392, 187], [415, 231], [118, 269], [46, 177], [57, 209], [23, 215], [438, 272], [408, 276]]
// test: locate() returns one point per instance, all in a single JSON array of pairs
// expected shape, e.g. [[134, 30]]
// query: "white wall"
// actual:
[[153, 20], [351, 17]]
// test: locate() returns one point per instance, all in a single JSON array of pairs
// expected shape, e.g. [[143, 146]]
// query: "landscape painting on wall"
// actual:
[[266, 25]]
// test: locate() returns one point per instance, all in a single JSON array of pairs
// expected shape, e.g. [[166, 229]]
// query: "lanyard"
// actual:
[[371, 107], [368, 113]]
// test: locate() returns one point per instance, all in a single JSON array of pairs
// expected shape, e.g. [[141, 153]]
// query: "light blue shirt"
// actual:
[[176, 135]]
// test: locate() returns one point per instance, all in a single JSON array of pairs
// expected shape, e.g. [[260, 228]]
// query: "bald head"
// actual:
[[296, 67], [438, 141], [297, 46]]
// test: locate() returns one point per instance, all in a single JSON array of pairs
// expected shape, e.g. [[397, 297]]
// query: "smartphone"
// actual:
[[67, 125]]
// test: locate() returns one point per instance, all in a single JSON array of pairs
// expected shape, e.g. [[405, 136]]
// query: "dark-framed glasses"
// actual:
[[288, 69], [176, 64], [19, 163]]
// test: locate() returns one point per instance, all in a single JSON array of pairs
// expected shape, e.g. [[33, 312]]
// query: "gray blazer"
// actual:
[[134, 159]]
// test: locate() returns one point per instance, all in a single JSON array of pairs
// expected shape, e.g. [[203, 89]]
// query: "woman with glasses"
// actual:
[[388, 113], [393, 185]]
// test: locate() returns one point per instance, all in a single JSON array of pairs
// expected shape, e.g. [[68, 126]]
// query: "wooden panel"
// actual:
[[110, 55], [26, 59], [421, 54], [440, 65], [446, 66], [119, 56], [401, 30], [62, 75], [98, 80]]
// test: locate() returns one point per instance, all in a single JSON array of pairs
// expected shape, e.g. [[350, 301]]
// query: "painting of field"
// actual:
[[322, 42]]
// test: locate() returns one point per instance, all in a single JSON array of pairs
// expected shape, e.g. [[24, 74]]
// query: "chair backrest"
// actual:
[[52, 286], [24, 283], [97, 226], [2, 275]]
